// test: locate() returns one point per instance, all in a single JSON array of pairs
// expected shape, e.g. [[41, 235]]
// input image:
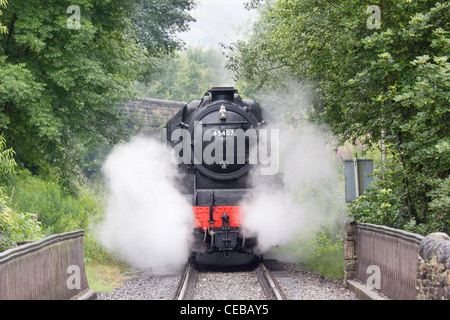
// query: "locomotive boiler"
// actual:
[[215, 142]]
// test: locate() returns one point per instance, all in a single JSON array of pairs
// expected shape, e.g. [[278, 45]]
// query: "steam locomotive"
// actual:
[[215, 142]]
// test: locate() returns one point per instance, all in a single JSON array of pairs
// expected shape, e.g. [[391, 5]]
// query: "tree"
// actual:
[[188, 76], [157, 22], [3, 3], [60, 84], [369, 75]]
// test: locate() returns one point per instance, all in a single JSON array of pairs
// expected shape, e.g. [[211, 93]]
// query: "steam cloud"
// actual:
[[312, 191], [148, 222]]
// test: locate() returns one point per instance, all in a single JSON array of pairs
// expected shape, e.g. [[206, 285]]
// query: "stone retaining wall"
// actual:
[[433, 269]]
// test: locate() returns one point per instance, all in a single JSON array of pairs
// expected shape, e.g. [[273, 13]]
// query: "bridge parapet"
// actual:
[[152, 114], [48, 269], [383, 262]]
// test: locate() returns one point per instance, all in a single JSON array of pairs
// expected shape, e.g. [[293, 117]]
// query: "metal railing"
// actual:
[[387, 260], [48, 269]]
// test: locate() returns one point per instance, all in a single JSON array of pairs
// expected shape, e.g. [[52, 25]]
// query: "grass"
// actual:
[[330, 263], [326, 257], [105, 277]]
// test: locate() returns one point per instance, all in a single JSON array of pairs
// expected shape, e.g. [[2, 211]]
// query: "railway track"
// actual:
[[187, 284], [268, 284]]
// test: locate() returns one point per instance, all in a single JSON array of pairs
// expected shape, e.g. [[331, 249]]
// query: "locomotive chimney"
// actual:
[[222, 93]]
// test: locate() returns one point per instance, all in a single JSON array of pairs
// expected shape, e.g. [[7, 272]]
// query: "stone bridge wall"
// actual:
[[152, 114]]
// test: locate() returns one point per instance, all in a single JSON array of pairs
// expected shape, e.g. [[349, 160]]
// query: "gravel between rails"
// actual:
[[296, 282], [147, 284], [228, 286]]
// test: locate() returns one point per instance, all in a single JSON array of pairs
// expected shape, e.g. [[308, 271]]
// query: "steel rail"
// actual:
[[273, 284], [186, 283]]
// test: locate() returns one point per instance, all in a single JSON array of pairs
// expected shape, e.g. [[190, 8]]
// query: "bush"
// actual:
[[45, 198], [327, 256], [16, 226], [56, 211], [384, 203], [321, 252]]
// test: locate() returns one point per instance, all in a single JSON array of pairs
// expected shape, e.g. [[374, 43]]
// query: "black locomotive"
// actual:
[[214, 141]]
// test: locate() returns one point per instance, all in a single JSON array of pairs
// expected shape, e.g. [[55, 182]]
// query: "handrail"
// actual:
[[37, 245], [405, 235]]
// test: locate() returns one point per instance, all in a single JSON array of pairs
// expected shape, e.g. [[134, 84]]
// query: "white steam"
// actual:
[[312, 188], [148, 222]]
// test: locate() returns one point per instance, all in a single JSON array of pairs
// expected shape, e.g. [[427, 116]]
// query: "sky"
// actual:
[[217, 21]]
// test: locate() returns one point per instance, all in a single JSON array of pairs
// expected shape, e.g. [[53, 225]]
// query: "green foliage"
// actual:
[[187, 76], [381, 204], [321, 251], [3, 3], [52, 211], [325, 242], [57, 211], [60, 87], [16, 226], [156, 22], [329, 263], [384, 203], [394, 78], [441, 201], [7, 162]]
